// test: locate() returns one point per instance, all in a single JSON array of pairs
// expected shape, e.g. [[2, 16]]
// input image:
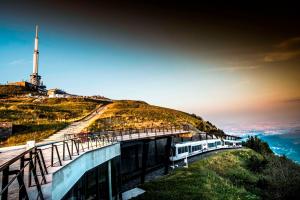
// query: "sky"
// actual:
[[229, 63]]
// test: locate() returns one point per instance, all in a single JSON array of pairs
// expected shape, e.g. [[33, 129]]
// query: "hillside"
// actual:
[[14, 90], [37, 118], [235, 174], [138, 114]]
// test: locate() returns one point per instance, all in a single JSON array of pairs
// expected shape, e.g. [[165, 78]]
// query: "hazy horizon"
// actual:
[[228, 64]]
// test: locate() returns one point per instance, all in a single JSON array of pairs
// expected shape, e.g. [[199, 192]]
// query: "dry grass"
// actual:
[[37, 119], [138, 114]]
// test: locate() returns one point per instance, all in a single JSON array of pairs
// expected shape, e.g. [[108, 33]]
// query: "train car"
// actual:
[[186, 149], [232, 144]]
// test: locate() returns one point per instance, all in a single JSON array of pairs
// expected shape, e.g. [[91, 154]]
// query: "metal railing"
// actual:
[[140, 133], [33, 164], [31, 160]]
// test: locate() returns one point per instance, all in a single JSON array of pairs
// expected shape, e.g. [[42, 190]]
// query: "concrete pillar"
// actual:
[[156, 152], [144, 160], [136, 151], [109, 181], [167, 154]]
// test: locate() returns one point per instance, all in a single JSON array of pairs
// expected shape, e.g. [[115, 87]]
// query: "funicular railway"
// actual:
[[87, 166]]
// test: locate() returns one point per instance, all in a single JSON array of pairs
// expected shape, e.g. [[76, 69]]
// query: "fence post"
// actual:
[[52, 159], [5, 182], [64, 150]]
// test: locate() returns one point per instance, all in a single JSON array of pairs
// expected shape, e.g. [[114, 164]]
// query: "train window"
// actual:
[[182, 150], [198, 147], [227, 143], [211, 145], [179, 150], [194, 148]]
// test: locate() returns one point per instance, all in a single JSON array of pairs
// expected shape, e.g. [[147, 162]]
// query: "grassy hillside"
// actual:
[[220, 176], [234, 174], [138, 114], [35, 118], [13, 90]]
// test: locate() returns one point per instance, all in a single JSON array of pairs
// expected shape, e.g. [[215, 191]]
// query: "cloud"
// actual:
[[281, 56], [18, 62], [233, 68], [289, 43], [286, 50], [292, 100]]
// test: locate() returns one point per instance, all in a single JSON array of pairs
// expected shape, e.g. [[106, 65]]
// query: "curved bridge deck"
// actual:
[[28, 173]]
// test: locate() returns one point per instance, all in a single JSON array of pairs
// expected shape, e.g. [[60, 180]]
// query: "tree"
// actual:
[[258, 145]]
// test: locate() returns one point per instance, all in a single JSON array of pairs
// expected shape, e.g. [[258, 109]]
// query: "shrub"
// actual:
[[255, 164], [281, 178], [258, 145]]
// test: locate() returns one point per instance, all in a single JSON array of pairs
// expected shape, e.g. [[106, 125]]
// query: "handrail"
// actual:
[[65, 149], [14, 159]]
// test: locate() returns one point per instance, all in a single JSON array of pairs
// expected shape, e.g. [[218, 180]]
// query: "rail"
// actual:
[[33, 165]]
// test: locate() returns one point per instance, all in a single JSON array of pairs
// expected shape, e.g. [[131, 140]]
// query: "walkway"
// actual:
[[76, 127], [73, 129], [52, 156]]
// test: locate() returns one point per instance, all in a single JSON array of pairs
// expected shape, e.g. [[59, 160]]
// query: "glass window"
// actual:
[[91, 184], [94, 183], [103, 181], [211, 145], [197, 148]]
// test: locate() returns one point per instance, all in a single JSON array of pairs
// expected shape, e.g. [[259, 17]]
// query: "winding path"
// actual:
[[76, 127]]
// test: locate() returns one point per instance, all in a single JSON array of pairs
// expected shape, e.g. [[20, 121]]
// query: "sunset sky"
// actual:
[[227, 63]]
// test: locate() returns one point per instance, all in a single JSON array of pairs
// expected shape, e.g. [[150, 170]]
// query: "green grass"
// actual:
[[221, 176], [230, 175], [138, 114], [36, 119]]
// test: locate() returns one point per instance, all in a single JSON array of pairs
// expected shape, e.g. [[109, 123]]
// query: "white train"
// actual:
[[187, 149]]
